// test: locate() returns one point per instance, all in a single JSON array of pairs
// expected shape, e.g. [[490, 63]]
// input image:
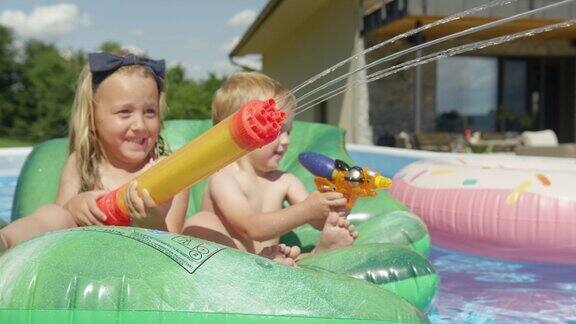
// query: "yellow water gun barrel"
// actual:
[[254, 125]]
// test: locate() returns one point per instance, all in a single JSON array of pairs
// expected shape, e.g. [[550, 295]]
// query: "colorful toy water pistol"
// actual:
[[254, 125], [336, 175]]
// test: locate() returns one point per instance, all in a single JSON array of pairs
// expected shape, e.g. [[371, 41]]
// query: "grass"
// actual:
[[14, 142]]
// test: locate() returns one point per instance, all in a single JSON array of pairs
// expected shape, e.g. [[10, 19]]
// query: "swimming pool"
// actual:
[[472, 289], [11, 161], [476, 289]]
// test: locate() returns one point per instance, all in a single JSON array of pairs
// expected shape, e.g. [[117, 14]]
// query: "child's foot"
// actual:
[[337, 233], [281, 253]]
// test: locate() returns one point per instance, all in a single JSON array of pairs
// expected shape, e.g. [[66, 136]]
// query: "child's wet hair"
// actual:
[[242, 87]]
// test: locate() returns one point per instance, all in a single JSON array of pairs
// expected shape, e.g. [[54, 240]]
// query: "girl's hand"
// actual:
[[141, 206], [84, 210], [321, 204]]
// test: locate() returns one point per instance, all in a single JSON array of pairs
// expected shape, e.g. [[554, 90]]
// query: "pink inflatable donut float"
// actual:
[[507, 207]]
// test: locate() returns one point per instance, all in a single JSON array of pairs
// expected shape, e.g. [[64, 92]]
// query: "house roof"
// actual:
[[275, 21], [409, 22]]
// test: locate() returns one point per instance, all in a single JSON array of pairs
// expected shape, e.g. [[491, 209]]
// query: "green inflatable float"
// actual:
[[227, 284]]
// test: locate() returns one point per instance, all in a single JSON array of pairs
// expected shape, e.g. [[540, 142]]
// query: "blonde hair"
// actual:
[[242, 87], [82, 136]]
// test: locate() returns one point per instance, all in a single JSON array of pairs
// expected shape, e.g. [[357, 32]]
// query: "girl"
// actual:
[[114, 136]]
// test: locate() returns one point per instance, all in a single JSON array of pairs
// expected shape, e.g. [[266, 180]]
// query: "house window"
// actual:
[[506, 94], [466, 93]]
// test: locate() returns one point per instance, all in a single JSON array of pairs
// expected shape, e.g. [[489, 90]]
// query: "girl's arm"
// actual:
[[81, 206], [232, 203], [69, 181], [177, 213], [169, 216]]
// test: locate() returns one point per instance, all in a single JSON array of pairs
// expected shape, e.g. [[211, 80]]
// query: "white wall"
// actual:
[[326, 38]]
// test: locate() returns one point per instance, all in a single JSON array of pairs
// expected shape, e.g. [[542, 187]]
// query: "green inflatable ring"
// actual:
[[380, 220], [131, 275]]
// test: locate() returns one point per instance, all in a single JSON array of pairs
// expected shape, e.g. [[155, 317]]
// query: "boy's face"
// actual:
[[267, 158]]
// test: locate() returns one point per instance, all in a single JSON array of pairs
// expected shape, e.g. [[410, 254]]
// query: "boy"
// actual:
[[242, 205]]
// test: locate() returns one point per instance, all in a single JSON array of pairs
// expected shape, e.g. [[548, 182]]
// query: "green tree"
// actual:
[[48, 84], [110, 47], [37, 87], [190, 99], [8, 80]]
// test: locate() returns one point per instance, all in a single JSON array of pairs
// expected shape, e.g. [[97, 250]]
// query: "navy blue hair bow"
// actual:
[[104, 64]]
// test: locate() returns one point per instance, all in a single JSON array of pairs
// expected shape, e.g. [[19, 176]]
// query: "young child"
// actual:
[[114, 136], [242, 205]]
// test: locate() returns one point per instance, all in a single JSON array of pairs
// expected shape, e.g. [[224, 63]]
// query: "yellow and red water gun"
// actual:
[[254, 125], [336, 175]]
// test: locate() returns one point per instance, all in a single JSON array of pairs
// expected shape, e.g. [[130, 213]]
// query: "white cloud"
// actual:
[[242, 18], [229, 46], [46, 21]]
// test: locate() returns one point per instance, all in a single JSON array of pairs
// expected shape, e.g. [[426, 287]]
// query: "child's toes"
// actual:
[[354, 234], [294, 252], [285, 249], [332, 219]]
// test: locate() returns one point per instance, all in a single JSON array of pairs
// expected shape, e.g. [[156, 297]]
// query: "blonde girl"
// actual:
[[114, 135]]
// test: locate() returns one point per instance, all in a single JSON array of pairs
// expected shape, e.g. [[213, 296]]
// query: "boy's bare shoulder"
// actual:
[[284, 177], [227, 175]]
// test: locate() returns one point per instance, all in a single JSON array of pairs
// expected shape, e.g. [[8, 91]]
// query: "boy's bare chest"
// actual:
[[264, 196]]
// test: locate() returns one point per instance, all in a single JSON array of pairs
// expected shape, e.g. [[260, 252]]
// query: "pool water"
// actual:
[[484, 290], [7, 187], [472, 289]]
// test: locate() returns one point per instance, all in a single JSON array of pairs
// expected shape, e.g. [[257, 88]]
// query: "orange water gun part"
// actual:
[[336, 175], [256, 124]]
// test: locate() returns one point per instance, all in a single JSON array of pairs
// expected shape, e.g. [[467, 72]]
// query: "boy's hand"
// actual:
[[84, 209], [141, 206], [321, 204]]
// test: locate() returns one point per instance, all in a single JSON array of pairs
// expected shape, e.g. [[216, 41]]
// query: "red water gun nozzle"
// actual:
[[256, 124]]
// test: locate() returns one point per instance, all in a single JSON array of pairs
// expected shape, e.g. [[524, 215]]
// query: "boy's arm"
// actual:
[[297, 192], [233, 205]]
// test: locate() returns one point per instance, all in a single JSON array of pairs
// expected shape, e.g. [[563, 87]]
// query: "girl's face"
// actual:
[[267, 158], [127, 118]]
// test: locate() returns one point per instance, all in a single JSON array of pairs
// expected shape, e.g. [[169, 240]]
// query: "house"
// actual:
[[524, 84]]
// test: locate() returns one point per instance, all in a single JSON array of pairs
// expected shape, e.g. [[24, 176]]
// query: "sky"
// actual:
[[198, 34]]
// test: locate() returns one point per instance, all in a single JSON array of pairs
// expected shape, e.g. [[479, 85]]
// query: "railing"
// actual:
[[388, 12]]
